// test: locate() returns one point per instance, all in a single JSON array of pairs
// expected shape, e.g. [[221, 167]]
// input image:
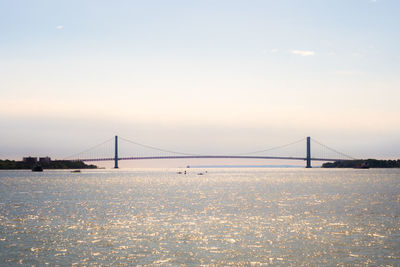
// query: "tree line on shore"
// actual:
[[54, 164], [370, 163]]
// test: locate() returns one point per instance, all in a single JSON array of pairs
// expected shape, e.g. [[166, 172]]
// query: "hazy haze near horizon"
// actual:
[[199, 76]]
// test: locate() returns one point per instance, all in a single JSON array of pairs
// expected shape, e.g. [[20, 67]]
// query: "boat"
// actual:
[[364, 165], [76, 171], [37, 168], [361, 167]]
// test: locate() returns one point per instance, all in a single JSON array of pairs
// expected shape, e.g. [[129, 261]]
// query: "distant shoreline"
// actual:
[[52, 165], [367, 163]]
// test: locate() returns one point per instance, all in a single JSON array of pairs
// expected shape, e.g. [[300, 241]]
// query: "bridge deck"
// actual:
[[207, 157]]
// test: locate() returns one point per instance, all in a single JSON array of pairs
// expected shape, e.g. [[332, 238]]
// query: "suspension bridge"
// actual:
[[299, 150]]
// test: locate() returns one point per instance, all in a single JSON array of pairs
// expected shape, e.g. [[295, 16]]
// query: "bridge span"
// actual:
[[307, 158]]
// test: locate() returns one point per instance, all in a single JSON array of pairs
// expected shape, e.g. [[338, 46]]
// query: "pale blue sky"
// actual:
[[199, 76]]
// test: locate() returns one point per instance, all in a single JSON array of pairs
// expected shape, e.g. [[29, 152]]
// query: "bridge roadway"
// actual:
[[206, 157]]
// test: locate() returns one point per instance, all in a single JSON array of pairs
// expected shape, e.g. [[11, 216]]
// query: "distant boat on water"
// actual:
[[364, 165], [37, 168]]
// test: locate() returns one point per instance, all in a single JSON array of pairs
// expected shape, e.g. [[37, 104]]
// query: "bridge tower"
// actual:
[[116, 153], [308, 159]]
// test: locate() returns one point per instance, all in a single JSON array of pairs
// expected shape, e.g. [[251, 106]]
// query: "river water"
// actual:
[[287, 217]]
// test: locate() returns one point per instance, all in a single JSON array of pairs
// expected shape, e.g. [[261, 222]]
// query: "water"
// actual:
[[287, 217]]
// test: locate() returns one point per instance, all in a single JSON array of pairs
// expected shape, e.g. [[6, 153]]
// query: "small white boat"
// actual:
[[37, 168]]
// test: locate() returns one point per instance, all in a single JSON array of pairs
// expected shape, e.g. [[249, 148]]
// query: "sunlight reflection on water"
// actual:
[[227, 216]]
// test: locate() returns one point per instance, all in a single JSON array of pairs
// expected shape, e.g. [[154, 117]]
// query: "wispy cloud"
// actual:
[[303, 53], [272, 51], [60, 27], [349, 72]]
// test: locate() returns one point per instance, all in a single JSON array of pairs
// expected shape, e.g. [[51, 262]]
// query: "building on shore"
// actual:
[[44, 160], [29, 159]]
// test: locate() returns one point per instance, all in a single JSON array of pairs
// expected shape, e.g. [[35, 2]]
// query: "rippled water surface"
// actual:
[[227, 216]]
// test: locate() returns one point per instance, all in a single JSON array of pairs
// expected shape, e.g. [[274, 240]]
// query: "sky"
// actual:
[[199, 76]]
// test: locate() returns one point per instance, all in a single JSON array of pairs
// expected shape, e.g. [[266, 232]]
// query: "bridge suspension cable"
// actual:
[[333, 150], [272, 148], [89, 149], [194, 154], [158, 149]]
